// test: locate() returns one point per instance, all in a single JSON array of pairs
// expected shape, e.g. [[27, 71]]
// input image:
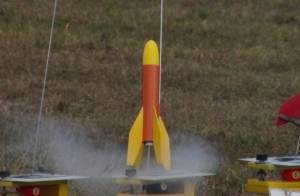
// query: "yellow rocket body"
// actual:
[[148, 128]]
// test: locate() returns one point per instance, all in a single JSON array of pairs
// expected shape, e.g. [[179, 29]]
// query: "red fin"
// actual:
[[289, 111]]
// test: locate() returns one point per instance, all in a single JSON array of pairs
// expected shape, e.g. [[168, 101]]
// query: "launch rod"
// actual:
[[36, 138], [297, 148], [148, 155], [160, 46]]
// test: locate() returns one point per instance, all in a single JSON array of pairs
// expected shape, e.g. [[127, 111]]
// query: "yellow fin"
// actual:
[[135, 142], [161, 143]]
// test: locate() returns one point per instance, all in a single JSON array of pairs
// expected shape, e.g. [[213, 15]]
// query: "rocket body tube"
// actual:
[[150, 99]]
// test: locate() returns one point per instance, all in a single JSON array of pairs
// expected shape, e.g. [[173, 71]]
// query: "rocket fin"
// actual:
[[289, 111], [135, 142], [161, 143]]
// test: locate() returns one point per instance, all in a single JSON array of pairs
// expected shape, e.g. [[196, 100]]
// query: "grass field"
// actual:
[[227, 66]]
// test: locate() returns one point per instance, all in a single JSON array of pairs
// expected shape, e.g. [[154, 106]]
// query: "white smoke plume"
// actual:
[[66, 149], [193, 154]]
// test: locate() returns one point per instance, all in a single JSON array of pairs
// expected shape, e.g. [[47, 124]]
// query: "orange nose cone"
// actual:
[[151, 54]]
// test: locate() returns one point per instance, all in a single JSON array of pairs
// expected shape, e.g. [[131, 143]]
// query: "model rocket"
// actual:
[[148, 132]]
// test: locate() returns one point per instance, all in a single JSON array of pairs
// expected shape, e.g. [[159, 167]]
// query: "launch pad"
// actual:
[[37, 184], [273, 173], [177, 183]]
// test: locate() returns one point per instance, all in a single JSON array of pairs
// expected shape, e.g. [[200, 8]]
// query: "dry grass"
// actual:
[[227, 67]]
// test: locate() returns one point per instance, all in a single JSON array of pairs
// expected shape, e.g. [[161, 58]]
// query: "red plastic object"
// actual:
[[30, 191], [291, 175], [289, 111]]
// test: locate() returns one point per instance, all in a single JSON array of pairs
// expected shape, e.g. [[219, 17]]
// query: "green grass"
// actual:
[[227, 66]]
